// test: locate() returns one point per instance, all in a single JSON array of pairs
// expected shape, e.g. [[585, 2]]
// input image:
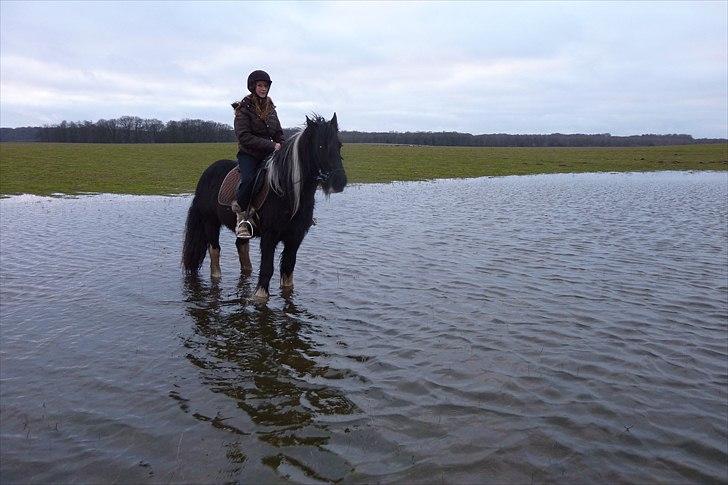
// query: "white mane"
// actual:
[[285, 165]]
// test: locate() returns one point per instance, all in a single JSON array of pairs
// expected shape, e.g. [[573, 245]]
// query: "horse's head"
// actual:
[[326, 150]]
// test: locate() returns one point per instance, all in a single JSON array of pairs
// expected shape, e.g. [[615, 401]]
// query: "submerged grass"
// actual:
[[71, 168]]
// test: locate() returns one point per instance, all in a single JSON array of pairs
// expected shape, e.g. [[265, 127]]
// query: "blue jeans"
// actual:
[[247, 165]]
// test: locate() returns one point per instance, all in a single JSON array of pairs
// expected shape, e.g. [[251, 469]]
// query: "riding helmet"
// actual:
[[256, 76]]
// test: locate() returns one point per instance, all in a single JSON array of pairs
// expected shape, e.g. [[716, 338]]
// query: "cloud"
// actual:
[[622, 68]]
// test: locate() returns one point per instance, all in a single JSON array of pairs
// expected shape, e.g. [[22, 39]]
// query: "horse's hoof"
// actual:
[[287, 282], [260, 294], [216, 275]]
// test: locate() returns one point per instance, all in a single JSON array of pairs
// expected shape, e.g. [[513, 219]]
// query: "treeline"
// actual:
[[506, 140], [127, 129], [131, 129]]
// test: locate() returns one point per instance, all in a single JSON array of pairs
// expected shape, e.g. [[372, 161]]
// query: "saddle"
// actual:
[[228, 190]]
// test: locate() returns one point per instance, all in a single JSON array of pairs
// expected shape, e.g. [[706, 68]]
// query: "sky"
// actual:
[[476, 67]]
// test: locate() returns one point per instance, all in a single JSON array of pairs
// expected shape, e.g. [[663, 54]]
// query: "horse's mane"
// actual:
[[284, 170]]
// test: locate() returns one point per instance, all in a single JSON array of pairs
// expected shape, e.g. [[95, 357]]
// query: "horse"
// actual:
[[309, 159]]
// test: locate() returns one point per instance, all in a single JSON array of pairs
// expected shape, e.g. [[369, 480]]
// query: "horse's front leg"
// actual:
[[243, 247], [288, 261], [267, 251]]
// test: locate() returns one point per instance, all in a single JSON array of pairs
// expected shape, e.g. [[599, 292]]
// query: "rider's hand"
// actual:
[[277, 147]]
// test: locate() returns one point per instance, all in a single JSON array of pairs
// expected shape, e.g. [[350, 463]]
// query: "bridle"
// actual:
[[323, 176]]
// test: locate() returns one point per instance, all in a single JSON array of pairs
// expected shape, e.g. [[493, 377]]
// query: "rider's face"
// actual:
[[261, 88]]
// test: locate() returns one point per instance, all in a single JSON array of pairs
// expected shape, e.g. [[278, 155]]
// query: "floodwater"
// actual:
[[554, 328]]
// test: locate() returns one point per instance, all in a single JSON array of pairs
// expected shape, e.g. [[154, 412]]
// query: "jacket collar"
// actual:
[[246, 103]]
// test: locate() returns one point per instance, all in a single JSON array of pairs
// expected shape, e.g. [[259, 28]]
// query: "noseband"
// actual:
[[324, 176]]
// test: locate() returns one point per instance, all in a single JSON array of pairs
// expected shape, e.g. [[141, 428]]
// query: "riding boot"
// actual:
[[243, 228]]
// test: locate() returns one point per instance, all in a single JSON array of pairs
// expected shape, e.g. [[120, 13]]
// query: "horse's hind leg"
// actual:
[[212, 232], [243, 247], [288, 262]]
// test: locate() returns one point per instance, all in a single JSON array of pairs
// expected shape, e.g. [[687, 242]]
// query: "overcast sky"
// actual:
[[622, 68]]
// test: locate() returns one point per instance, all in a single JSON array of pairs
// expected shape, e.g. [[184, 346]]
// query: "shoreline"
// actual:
[[88, 194]]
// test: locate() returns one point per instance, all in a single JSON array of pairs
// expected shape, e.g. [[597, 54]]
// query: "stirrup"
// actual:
[[241, 225]]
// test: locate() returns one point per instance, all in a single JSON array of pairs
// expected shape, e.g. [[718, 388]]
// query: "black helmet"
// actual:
[[256, 76]]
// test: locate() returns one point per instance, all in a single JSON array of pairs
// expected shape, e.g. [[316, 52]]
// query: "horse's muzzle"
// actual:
[[336, 183]]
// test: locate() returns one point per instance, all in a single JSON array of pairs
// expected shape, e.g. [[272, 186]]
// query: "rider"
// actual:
[[259, 134]]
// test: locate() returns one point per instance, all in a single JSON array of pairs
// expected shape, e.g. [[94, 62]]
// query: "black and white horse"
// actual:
[[309, 159]]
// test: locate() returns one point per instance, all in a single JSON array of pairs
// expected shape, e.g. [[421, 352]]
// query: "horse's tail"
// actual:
[[195, 245]]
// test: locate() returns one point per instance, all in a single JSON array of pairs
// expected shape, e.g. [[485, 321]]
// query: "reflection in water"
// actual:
[[257, 356]]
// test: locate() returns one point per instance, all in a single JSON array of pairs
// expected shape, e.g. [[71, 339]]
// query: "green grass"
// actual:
[[70, 168]]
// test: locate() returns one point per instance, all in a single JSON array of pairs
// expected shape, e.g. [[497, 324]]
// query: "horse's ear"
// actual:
[[334, 122], [308, 121]]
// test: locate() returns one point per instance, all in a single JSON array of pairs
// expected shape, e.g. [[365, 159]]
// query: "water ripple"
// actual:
[[565, 328]]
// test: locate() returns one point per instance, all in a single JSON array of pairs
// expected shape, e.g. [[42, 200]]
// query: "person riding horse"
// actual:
[[308, 160], [259, 134]]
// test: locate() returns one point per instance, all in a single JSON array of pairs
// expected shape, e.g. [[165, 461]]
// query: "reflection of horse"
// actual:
[[261, 358], [310, 158]]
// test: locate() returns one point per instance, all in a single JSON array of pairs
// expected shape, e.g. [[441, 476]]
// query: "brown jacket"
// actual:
[[256, 137]]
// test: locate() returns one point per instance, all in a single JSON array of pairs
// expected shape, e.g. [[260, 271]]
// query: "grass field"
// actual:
[[46, 168]]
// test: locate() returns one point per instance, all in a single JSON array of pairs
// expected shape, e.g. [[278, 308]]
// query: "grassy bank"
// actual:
[[45, 168]]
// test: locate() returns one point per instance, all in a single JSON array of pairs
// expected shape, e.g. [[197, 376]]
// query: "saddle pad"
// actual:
[[229, 187]]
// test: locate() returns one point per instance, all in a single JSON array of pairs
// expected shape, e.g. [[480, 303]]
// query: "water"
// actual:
[[568, 328]]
